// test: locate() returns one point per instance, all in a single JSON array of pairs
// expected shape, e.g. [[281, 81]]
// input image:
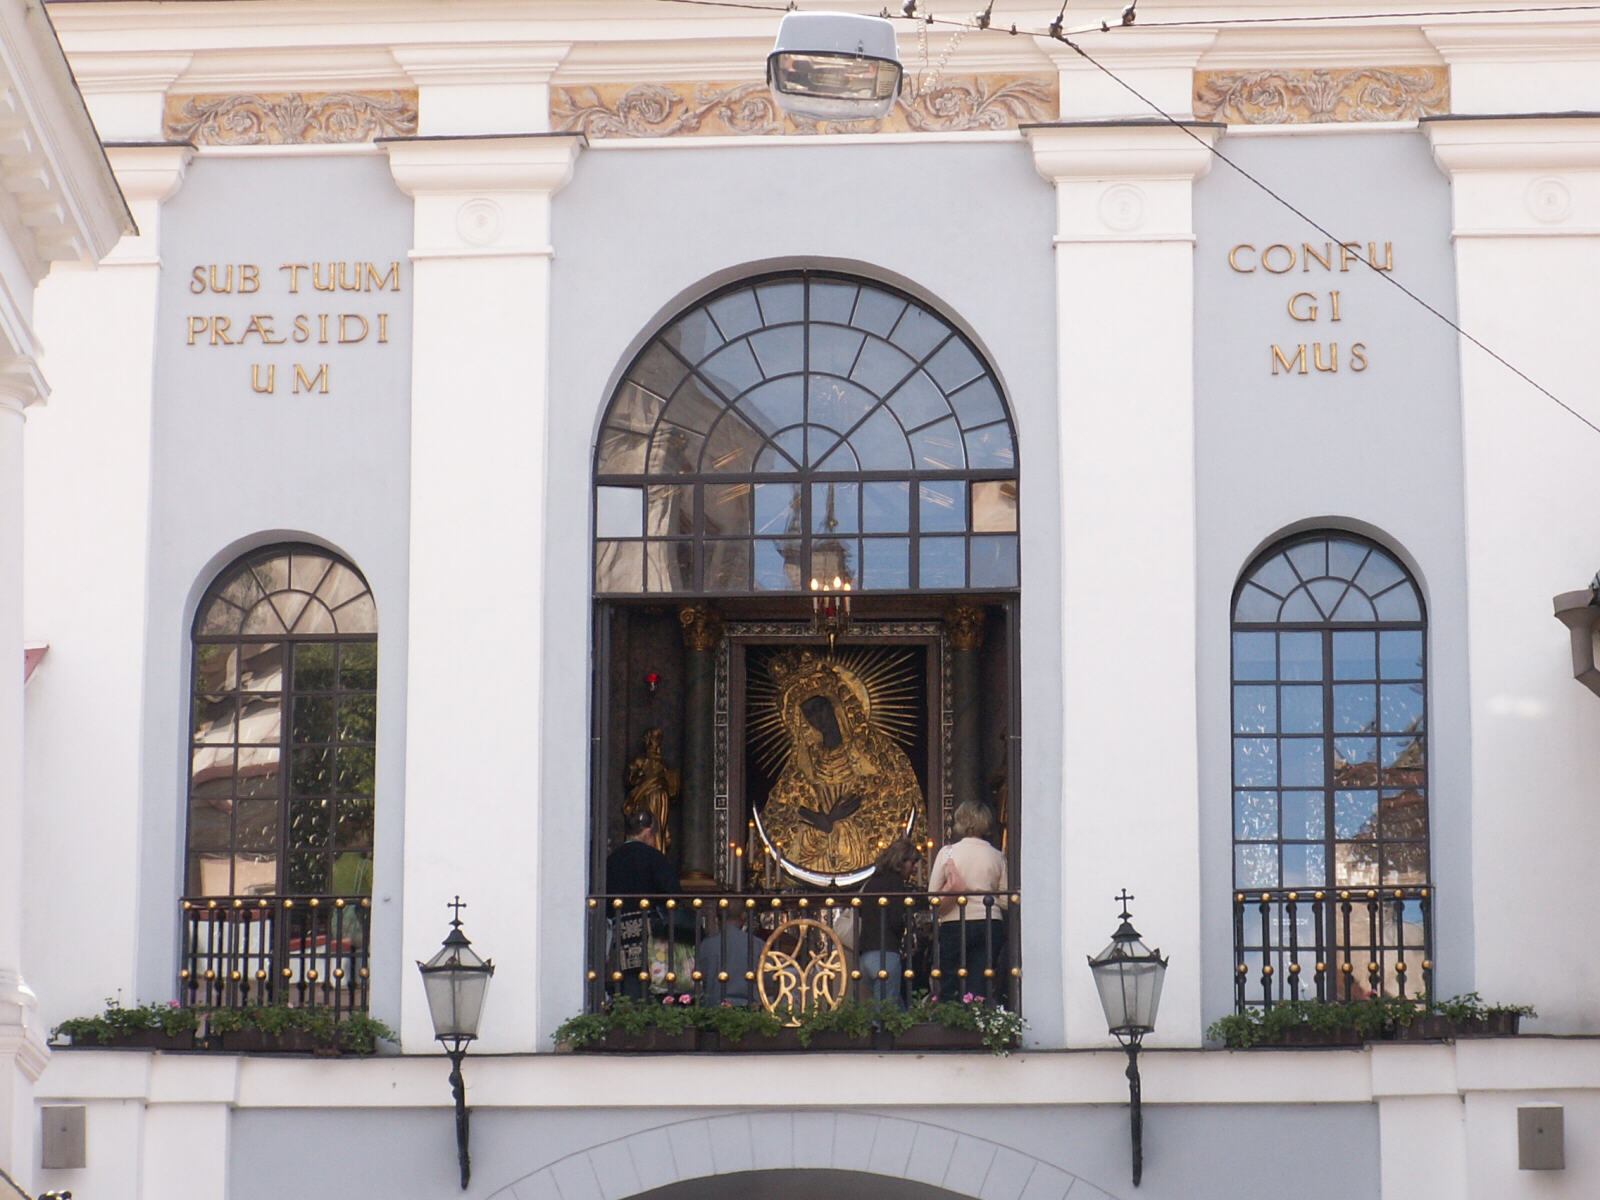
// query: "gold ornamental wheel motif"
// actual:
[[801, 969]]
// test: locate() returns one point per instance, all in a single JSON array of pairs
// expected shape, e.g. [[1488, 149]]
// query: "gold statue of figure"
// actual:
[[845, 789], [653, 786]]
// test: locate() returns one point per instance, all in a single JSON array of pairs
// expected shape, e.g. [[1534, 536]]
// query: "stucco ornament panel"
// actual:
[[255, 119], [656, 110], [1312, 97]]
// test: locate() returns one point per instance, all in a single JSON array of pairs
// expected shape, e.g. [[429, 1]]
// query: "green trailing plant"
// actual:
[[356, 1032], [1368, 1019], [733, 1024]]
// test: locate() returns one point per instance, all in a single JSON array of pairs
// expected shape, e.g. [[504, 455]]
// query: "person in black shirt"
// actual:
[[637, 868]]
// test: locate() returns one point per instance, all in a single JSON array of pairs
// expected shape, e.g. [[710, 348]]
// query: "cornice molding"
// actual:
[[1556, 142], [442, 166], [1121, 150], [479, 65]]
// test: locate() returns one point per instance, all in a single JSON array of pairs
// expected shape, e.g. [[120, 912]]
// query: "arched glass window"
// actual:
[[1330, 780], [283, 729], [805, 426]]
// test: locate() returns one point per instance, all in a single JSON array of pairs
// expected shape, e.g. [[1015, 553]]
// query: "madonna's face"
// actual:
[[819, 714]]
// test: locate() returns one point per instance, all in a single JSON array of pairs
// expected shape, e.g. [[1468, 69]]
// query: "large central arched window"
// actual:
[[805, 426]]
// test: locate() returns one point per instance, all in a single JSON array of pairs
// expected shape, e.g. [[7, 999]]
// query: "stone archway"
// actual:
[[769, 1144]]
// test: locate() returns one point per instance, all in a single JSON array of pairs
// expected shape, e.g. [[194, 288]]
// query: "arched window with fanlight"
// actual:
[[281, 804], [1332, 892], [804, 426]]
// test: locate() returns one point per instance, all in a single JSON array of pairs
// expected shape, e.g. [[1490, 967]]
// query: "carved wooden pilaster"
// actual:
[[702, 636], [965, 625]]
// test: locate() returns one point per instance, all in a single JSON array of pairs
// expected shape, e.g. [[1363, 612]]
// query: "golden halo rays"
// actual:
[[884, 677]]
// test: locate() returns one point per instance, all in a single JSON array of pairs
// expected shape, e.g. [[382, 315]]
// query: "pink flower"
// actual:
[[686, 998], [968, 998]]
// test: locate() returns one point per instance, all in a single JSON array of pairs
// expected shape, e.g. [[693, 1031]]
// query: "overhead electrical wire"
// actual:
[[982, 21]]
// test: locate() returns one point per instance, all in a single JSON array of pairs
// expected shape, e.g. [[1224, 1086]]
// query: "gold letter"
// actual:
[[294, 270], [198, 283], [316, 277], [391, 278], [1333, 356], [383, 328], [322, 329], [249, 274], [261, 326], [227, 279], [365, 328], [255, 377], [300, 377], [1278, 246], [1334, 296], [1358, 356], [1345, 254], [1325, 258], [196, 325], [1388, 255], [219, 331], [1232, 259], [302, 328], [345, 284], [1311, 315], [1289, 364]]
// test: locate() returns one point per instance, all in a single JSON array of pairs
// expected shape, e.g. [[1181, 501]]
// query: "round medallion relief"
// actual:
[[1122, 207], [480, 222], [1549, 201]]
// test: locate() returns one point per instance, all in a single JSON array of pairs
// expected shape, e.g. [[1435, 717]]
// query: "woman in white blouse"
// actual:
[[971, 936]]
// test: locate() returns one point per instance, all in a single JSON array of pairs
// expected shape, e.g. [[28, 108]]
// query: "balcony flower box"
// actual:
[[289, 1041], [646, 1041], [930, 1036], [1462, 1017], [252, 1029]]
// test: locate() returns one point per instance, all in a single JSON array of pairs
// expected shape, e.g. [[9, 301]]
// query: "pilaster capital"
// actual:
[[22, 384], [1123, 181], [1522, 176], [126, 91], [964, 622], [702, 627], [533, 162], [149, 172], [1158, 63]]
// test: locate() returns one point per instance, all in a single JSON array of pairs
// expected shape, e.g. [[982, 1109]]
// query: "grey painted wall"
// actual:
[[233, 469], [639, 234], [1376, 451], [1192, 1152]]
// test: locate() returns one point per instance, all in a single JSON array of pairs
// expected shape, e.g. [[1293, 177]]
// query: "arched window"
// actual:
[[284, 727], [281, 796], [1330, 764], [805, 426]]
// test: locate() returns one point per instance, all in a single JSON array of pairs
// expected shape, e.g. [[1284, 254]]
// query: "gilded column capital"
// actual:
[[702, 627], [965, 624]]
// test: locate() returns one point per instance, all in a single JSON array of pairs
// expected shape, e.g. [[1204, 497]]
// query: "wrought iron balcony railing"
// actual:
[[303, 951], [1331, 944], [800, 949]]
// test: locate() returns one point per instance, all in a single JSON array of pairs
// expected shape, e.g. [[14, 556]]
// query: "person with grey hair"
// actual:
[[972, 935]]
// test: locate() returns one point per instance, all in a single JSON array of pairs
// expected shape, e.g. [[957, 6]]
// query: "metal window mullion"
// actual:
[[1328, 867]]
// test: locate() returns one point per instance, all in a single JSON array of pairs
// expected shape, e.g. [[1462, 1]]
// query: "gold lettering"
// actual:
[[249, 274], [1334, 297], [261, 326], [390, 278], [220, 326], [1308, 252], [322, 329], [1233, 258], [197, 325], [1333, 357], [344, 338], [302, 328], [1348, 251], [294, 270], [1289, 250], [311, 381], [346, 285], [1358, 356], [227, 279], [316, 277], [197, 282], [255, 377], [1388, 256], [383, 326], [1309, 313], [1289, 364]]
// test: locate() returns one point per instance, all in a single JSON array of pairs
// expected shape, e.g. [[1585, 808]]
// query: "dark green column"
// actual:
[[702, 637], [964, 624]]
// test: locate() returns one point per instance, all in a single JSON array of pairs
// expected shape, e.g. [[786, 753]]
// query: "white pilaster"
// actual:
[[1526, 205], [475, 89], [479, 376], [1124, 308], [1158, 64]]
